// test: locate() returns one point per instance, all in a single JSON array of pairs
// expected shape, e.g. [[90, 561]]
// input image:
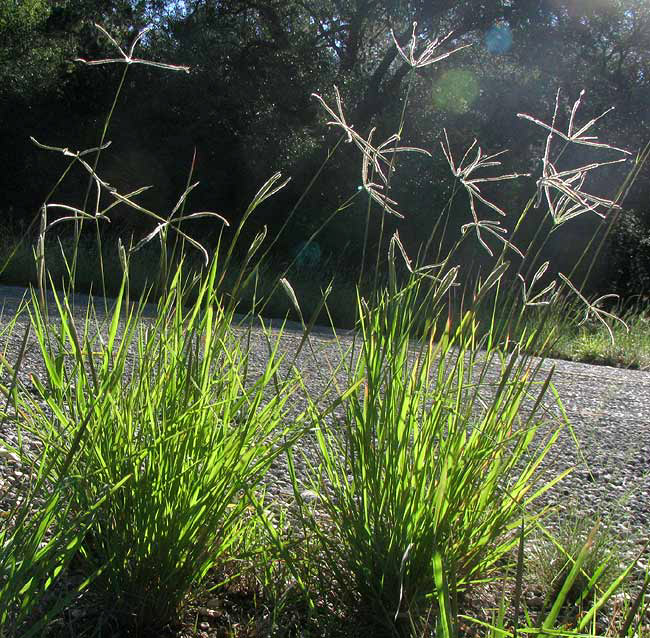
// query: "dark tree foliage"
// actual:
[[246, 109]]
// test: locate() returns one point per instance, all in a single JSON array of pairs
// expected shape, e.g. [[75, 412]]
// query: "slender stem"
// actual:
[[78, 227]]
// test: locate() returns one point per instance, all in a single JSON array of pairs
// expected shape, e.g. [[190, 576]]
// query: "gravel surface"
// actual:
[[608, 409]]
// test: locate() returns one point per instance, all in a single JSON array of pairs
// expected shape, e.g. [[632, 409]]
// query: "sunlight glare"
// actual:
[[455, 91]]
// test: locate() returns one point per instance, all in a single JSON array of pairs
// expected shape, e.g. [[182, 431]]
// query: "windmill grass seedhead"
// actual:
[[463, 172], [593, 309], [129, 58], [537, 298], [375, 159], [428, 55], [562, 189], [102, 186]]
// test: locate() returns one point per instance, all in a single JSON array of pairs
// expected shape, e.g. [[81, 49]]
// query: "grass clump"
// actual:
[[551, 558], [184, 432], [418, 485], [630, 347], [39, 538]]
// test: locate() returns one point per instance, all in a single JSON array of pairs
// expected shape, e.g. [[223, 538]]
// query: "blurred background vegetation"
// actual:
[[245, 109]]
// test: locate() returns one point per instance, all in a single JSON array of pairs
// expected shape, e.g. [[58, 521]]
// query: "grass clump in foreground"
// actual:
[[158, 438], [182, 429], [420, 491]]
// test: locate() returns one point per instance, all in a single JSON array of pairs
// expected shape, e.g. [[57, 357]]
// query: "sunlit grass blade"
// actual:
[[559, 601]]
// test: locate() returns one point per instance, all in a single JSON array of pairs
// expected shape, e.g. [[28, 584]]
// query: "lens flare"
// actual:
[[498, 39], [455, 91]]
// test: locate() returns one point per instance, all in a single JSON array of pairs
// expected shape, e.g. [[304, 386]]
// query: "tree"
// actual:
[[246, 105]]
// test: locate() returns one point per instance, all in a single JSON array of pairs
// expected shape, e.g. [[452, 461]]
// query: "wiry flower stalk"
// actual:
[[129, 58], [463, 172], [537, 298], [563, 189], [592, 308], [373, 156], [372, 159], [571, 135], [428, 56], [101, 185]]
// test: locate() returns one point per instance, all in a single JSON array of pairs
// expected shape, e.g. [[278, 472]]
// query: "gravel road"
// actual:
[[608, 408]]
